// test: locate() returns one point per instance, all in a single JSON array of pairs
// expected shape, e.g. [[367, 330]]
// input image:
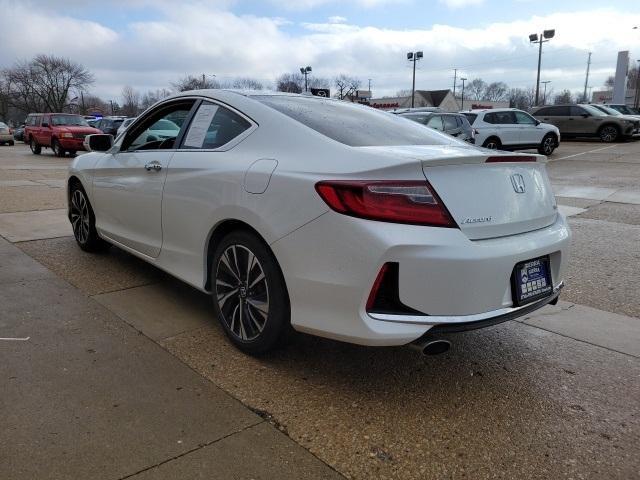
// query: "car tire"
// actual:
[[492, 143], [58, 151], [35, 148], [72, 153], [249, 293], [11, 143], [83, 221], [609, 133], [548, 144]]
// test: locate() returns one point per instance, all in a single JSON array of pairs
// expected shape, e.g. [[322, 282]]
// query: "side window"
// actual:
[[450, 122], [559, 111], [435, 122], [160, 127], [524, 119], [576, 111], [504, 118], [490, 118], [213, 126]]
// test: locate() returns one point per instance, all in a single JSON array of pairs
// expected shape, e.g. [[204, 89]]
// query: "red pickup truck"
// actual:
[[61, 132]]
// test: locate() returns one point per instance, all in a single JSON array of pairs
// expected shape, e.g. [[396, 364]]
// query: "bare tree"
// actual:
[[190, 82], [247, 83], [290, 82], [153, 96], [565, 96], [130, 101], [346, 86], [523, 98], [45, 83], [496, 92], [403, 93], [95, 104], [476, 88]]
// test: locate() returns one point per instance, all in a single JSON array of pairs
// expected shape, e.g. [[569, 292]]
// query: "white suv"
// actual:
[[512, 129]]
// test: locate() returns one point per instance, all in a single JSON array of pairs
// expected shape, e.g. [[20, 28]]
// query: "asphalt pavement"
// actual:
[[126, 372]]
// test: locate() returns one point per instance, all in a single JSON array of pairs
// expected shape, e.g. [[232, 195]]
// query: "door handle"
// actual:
[[155, 166]]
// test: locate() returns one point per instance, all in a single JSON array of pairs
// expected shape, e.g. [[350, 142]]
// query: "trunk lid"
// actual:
[[485, 199]]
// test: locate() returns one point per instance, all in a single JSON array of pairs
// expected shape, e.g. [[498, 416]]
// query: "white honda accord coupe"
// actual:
[[326, 217]]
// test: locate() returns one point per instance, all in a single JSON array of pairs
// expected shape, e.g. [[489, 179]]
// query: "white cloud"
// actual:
[[337, 19], [200, 38], [461, 3]]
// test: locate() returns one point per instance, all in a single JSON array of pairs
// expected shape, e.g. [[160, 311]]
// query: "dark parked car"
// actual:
[[587, 121], [455, 124], [18, 133], [109, 125]]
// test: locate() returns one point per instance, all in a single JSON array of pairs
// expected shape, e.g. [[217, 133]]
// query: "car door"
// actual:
[[129, 180], [207, 176], [506, 126], [580, 121], [530, 132], [556, 115]]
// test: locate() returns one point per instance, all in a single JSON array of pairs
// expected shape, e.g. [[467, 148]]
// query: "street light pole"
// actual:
[[545, 36], [413, 57], [463, 80]]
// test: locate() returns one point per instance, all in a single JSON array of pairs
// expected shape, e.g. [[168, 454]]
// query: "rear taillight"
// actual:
[[413, 202], [510, 158]]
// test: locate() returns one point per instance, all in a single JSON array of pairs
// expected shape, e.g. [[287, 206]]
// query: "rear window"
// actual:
[[471, 117], [351, 124]]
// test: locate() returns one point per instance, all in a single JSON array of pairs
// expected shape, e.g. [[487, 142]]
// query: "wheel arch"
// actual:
[[610, 124], [218, 232], [492, 136]]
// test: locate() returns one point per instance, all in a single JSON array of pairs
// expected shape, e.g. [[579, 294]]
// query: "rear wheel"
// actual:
[[83, 222], [249, 293], [548, 144], [35, 148], [58, 151], [492, 143], [11, 142], [609, 133], [72, 153]]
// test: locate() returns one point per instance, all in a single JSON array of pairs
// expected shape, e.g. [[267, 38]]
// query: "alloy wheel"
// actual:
[[242, 292], [608, 134], [548, 145], [80, 216]]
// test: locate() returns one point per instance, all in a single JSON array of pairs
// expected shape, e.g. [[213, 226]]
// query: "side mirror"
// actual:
[[99, 142], [586, 115], [45, 125]]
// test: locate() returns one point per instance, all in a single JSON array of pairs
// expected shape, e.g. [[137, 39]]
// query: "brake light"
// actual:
[[510, 158], [411, 202]]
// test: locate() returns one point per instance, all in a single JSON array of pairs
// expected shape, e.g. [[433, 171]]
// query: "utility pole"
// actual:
[[636, 101], [111, 102], [413, 57], [455, 76], [586, 80], [544, 95], [545, 36], [463, 80], [84, 111]]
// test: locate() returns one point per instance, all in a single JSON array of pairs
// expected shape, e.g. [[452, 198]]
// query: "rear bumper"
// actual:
[[331, 263], [6, 137]]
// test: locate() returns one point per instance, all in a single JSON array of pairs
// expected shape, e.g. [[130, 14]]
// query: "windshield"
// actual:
[[609, 110], [3, 125], [594, 111], [352, 124], [69, 120]]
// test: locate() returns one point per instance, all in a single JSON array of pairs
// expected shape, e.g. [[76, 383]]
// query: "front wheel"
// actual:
[[609, 134], [58, 151], [35, 148], [83, 222], [548, 145], [249, 293]]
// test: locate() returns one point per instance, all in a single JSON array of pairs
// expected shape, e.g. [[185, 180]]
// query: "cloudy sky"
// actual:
[[150, 43]]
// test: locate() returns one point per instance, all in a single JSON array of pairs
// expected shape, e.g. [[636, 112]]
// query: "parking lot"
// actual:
[[126, 373]]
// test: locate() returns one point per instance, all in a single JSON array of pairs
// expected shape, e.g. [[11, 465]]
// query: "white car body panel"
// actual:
[[330, 261]]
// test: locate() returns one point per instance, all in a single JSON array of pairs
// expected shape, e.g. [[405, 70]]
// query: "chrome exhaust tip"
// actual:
[[431, 347]]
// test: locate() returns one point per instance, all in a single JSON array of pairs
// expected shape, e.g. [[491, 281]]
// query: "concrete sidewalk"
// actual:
[[86, 396]]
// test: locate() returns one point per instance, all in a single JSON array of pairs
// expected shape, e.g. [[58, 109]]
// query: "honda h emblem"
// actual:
[[518, 183]]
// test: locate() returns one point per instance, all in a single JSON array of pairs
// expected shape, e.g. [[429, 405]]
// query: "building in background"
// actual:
[[443, 99]]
